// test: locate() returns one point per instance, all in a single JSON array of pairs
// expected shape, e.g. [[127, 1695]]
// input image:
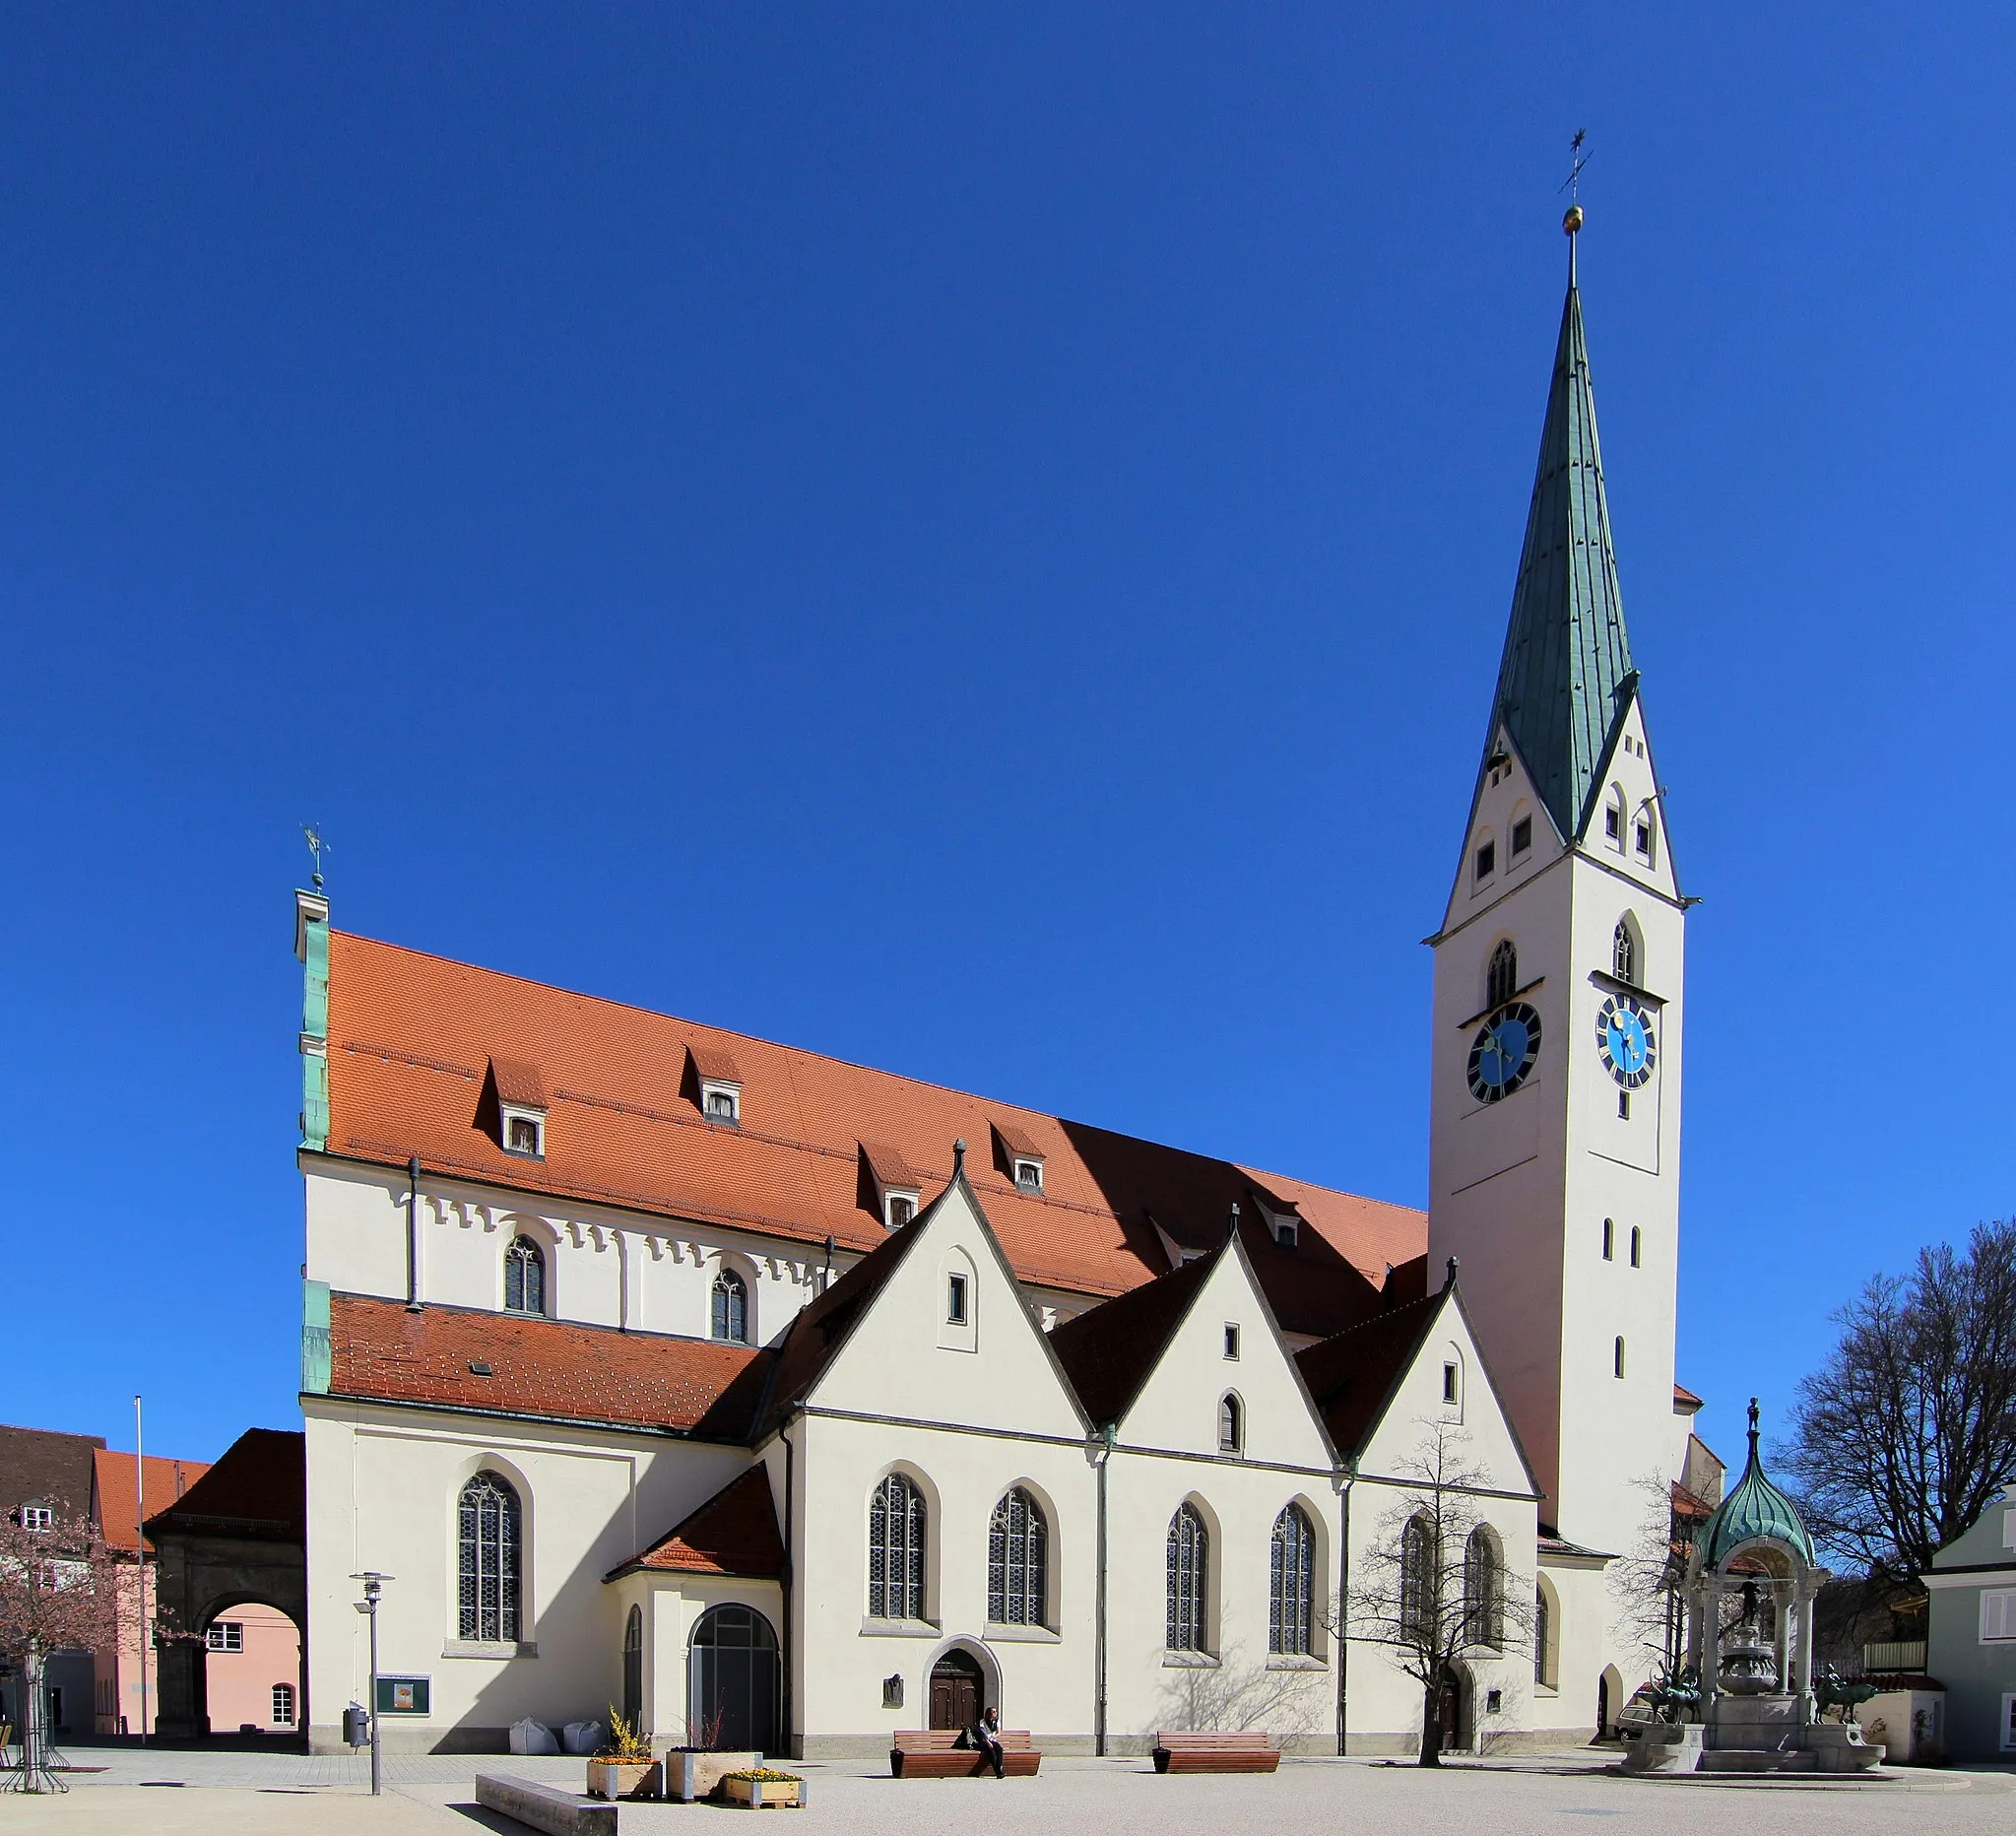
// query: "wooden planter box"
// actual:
[[625, 1778], [760, 1793], [690, 1775]]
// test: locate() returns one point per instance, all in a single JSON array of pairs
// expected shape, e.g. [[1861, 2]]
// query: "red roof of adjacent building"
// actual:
[[411, 1038], [112, 1482], [554, 1368], [258, 1487], [735, 1532]]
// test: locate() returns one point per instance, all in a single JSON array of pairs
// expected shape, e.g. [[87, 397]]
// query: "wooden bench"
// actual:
[[932, 1754], [1214, 1753]]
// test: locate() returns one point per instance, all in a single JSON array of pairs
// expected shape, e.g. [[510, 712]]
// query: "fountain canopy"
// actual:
[[1755, 1511]]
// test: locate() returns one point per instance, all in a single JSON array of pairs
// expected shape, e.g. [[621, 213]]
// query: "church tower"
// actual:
[[1555, 1133]]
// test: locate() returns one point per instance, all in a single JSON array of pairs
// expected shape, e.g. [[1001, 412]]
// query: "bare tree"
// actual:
[[58, 1591], [1646, 1579], [1907, 1432], [1432, 1585]]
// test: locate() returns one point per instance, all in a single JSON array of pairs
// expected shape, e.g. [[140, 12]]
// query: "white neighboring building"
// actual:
[[677, 1370]]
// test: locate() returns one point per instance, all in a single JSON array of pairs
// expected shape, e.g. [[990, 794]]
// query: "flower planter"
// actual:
[[624, 1778], [760, 1793], [690, 1775]]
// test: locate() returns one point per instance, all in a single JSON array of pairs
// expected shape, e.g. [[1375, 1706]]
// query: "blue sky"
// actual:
[[977, 540]]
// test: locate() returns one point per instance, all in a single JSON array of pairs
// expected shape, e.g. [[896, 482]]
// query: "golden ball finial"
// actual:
[[1571, 223]]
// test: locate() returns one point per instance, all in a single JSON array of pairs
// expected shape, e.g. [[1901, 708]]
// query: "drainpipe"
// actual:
[[790, 1639], [1100, 1460], [1343, 1613], [411, 1238]]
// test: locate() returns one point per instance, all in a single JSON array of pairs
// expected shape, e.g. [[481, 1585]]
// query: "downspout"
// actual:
[[1343, 1614], [413, 1235], [1104, 1454], [790, 1628]]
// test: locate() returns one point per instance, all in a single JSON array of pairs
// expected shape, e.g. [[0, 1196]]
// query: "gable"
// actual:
[[906, 1357], [1415, 1405], [1176, 1406], [1505, 797]]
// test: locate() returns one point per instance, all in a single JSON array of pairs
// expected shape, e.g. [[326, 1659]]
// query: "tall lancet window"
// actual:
[[1291, 1584], [524, 1277], [1624, 954], [731, 1319], [486, 1561], [1190, 1560], [1501, 981]]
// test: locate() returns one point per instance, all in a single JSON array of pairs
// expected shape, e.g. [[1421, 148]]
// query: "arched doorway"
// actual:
[[959, 1690], [249, 1672], [732, 1680], [1609, 1701], [1451, 1710]]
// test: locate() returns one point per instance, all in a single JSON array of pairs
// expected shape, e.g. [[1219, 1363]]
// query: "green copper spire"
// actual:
[[1755, 1508], [1566, 675]]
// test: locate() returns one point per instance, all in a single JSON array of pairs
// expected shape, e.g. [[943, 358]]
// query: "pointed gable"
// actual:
[[735, 1532], [1109, 1351], [1566, 675]]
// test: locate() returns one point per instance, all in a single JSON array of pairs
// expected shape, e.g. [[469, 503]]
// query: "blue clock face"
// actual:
[[1503, 1052], [1627, 1041]]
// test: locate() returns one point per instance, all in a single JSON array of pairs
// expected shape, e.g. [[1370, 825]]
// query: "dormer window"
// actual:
[[713, 1086], [1018, 1158], [520, 1094], [901, 1208], [1030, 1175], [38, 1517], [721, 1102], [891, 1188]]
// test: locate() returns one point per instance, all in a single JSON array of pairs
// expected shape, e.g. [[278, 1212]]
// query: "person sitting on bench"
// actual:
[[984, 1736]]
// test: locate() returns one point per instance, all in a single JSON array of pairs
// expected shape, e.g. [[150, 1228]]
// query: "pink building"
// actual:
[[252, 1667]]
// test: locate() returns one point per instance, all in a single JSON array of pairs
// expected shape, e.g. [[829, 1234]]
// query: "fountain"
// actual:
[[1758, 1711]]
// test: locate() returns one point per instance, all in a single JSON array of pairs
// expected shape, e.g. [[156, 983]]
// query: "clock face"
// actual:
[[1626, 1040], [1503, 1052]]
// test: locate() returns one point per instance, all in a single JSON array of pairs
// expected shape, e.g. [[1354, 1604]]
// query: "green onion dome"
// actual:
[[1754, 1508]]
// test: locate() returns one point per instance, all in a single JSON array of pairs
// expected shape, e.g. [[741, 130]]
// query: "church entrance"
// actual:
[[1449, 1710], [957, 1691]]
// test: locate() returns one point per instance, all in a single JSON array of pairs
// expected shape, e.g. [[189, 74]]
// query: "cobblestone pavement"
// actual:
[[180, 1792]]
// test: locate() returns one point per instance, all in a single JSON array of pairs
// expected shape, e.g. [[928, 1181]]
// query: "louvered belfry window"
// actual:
[[487, 1578], [1291, 1584], [895, 1550], [1190, 1556], [1017, 1561]]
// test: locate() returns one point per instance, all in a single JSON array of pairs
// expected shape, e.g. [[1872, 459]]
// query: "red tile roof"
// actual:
[[519, 1083], [1351, 1375], [1684, 1398], [412, 1035], [1109, 1350], [166, 1481], [258, 1489], [554, 1368], [735, 1532]]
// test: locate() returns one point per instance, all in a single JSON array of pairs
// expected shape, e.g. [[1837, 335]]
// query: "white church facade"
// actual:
[[783, 1403]]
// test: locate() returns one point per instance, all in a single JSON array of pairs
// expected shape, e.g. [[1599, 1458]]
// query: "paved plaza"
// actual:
[[209, 1794]]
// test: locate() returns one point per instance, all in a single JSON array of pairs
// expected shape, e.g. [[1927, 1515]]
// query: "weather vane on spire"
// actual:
[[317, 847], [1571, 184]]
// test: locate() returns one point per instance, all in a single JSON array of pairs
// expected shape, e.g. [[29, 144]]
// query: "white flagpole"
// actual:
[[140, 1555]]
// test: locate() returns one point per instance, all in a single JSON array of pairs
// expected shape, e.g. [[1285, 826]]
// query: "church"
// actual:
[[782, 1403]]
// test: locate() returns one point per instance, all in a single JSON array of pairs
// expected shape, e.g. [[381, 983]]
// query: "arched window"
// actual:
[[488, 1561], [1018, 1563], [1544, 1632], [1417, 1582], [1617, 1357], [283, 1705], [1291, 1584], [1483, 1590], [1637, 1242], [633, 1668], [895, 1550], [731, 1308], [1230, 1424], [1190, 1561], [1624, 952], [1501, 981], [524, 1276], [1613, 818]]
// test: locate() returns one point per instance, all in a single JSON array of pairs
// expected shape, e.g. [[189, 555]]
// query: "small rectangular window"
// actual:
[[1613, 824], [1286, 1236], [721, 1106], [524, 1136], [1449, 1383], [36, 1517], [1231, 1341], [1997, 1614], [955, 1300], [1624, 1105], [1030, 1175], [1523, 834], [1487, 859], [1610, 1239], [1617, 1359], [225, 1635], [1635, 1241], [1642, 840], [902, 1211]]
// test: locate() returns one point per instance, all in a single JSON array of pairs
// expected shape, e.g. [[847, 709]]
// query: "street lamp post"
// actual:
[[374, 1584]]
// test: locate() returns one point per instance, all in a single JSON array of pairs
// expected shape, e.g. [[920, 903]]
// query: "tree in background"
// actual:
[[1907, 1432], [1432, 1586], [58, 1591]]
